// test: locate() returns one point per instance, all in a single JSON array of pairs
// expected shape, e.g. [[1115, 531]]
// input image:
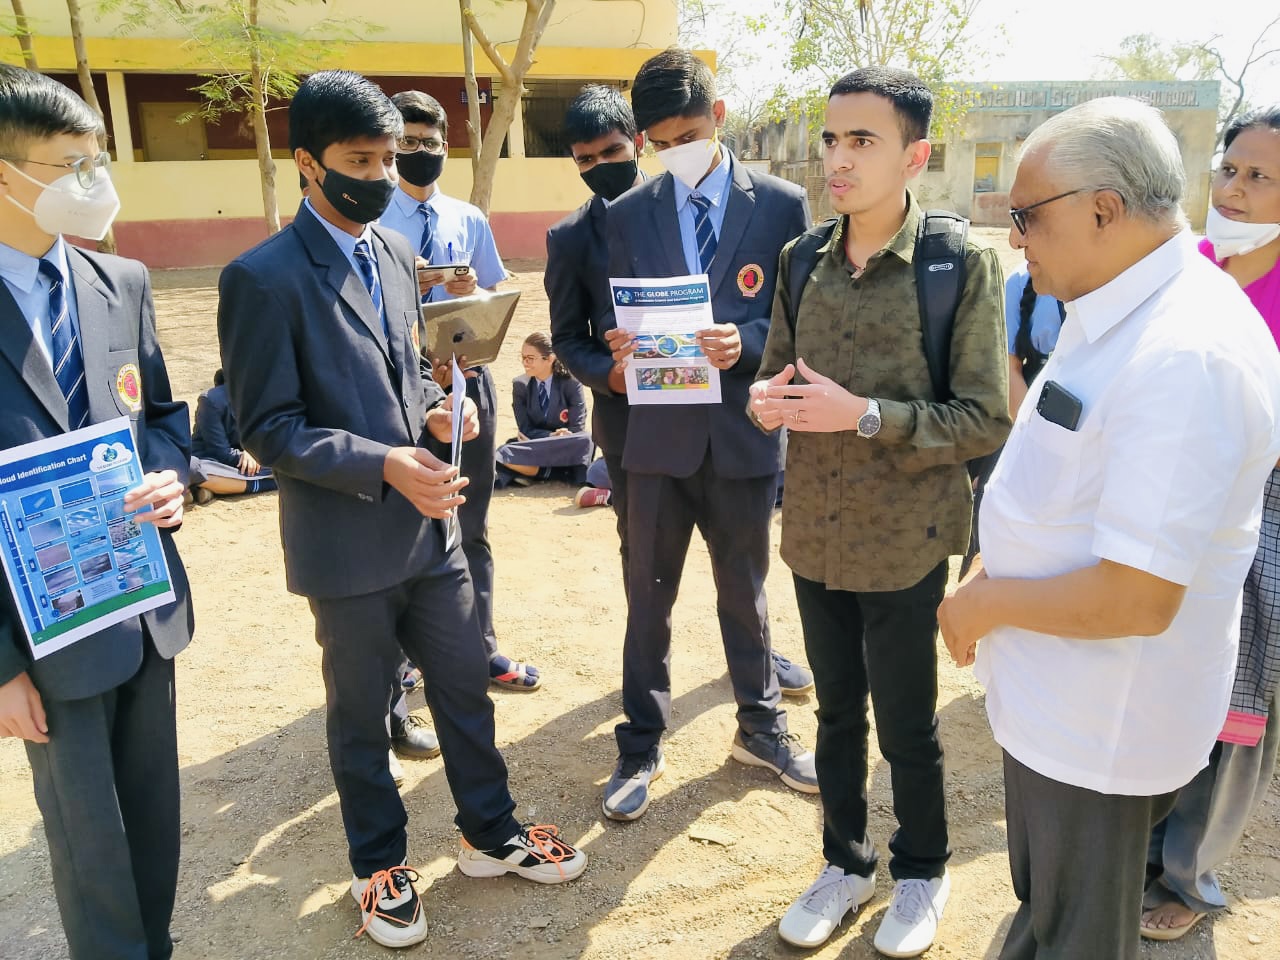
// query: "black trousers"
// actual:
[[431, 618], [478, 466], [881, 646], [733, 518], [618, 484], [107, 787], [1079, 863]]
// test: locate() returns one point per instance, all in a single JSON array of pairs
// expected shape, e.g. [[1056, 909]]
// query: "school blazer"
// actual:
[[567, 409], [577, 284], [117, 327], [762, 214], [321, 393]]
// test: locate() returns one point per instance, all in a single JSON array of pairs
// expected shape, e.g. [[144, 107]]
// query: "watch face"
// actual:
[[869, 424]]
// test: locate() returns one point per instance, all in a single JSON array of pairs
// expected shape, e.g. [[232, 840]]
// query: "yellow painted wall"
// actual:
[[416, 37], [229, 189]]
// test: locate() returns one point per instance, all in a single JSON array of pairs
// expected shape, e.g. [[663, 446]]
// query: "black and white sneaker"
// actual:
[[389, 907], [536, 853]]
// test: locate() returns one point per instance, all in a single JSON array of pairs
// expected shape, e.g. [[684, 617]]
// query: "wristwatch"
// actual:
[[869, 422]]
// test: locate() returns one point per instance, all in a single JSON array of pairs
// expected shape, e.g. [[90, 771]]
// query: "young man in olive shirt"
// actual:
[[877, 497]]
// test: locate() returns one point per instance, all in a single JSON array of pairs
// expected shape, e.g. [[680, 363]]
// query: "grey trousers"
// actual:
[[1208, 821], [1078, 861], [107, 787]]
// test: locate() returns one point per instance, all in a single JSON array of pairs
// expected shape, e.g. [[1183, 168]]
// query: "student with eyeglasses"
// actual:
[[445, 230], [78, 346]]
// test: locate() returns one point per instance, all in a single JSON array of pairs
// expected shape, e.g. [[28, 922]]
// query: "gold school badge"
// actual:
[[750, 279], [129, 386]]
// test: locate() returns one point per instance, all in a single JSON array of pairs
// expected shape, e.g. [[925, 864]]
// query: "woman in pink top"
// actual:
[[1212, 811]]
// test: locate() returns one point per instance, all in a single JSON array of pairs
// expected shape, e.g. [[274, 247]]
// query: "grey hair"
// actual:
[[1120, 144]]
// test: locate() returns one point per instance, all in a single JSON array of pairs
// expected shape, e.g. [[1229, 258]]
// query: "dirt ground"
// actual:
[[264, 871]]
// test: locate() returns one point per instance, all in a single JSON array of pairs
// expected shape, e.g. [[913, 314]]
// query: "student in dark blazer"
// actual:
[[604, 144], [97, 716], [219, 462], [317, 327], [551, 417], [701, 465]]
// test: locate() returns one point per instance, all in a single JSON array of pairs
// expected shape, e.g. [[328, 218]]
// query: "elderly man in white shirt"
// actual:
[[1117, 528]]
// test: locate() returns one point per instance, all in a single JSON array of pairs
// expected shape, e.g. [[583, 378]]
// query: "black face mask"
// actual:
[[611, 180], [361, 201], [420, 168]]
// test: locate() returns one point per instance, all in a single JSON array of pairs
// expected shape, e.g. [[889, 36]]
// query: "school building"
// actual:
[[190, 189], [972, 170]]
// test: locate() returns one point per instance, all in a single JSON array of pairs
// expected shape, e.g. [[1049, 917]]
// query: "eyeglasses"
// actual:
[[1019, 216], [86, 168], [414, 144]]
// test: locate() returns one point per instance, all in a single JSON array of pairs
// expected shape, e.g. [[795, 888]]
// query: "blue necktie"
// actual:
[[544, 399], [424, 248], [369, 273], [703, 232], [68, 361]]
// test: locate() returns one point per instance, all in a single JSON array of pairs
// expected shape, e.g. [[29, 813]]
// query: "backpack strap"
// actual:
[[804, 257], [940, 278]]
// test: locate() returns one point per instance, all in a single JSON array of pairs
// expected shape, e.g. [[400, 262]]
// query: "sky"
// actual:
[[1049, 40]]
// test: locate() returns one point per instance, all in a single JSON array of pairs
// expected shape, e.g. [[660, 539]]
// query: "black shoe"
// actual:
[[414, 740]]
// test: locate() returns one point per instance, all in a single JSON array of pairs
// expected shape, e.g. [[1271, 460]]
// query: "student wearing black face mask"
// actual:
[[318, 330], [443, 229], [604, 143]]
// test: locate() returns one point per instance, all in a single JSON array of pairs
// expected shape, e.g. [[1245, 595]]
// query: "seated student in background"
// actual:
[[551, 416], [218, 463]]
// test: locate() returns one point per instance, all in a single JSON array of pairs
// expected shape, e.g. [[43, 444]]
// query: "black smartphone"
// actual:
[[1059, 405]]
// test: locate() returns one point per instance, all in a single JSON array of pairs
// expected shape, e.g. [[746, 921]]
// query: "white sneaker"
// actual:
[[814, 917], [390, 910], [911, 922], [397, 771]]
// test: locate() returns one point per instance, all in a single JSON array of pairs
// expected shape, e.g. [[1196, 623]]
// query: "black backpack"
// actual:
[[940, 276]]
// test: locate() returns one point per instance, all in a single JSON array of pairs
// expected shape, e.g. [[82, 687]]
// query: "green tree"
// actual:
[[258, 66], [19, 27], [935, 39], [1144, 56], [486, 145]]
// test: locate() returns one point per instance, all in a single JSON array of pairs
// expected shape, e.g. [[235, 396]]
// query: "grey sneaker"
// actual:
[[781, 753], [390, 910], [626, 795], [793, 679]]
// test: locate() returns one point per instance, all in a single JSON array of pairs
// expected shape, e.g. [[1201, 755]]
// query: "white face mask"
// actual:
[[66, 207], [1230, 238], [689, 162]]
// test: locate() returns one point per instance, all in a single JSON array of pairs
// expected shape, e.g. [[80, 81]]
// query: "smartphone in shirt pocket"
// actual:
[[1059, 406]]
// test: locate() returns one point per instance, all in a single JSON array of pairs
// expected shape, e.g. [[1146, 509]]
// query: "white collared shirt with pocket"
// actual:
[[1179, 381]]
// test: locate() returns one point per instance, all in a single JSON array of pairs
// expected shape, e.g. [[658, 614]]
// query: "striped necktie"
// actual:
[[68, 361], [424, 248], [703, 232], [369, 273], [544, 398]]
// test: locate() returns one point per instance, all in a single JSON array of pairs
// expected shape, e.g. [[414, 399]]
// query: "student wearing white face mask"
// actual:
[[1213, 810], [702, 465], [77, 347]]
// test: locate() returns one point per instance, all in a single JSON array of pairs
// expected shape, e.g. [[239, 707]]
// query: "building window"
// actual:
[[986, 167], [544, 107], [938, 159]]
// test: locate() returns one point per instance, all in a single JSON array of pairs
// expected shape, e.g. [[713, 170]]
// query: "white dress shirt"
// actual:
[[1180, 384]]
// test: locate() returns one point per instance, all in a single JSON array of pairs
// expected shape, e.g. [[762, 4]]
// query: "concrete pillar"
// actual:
[[119, 105]]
